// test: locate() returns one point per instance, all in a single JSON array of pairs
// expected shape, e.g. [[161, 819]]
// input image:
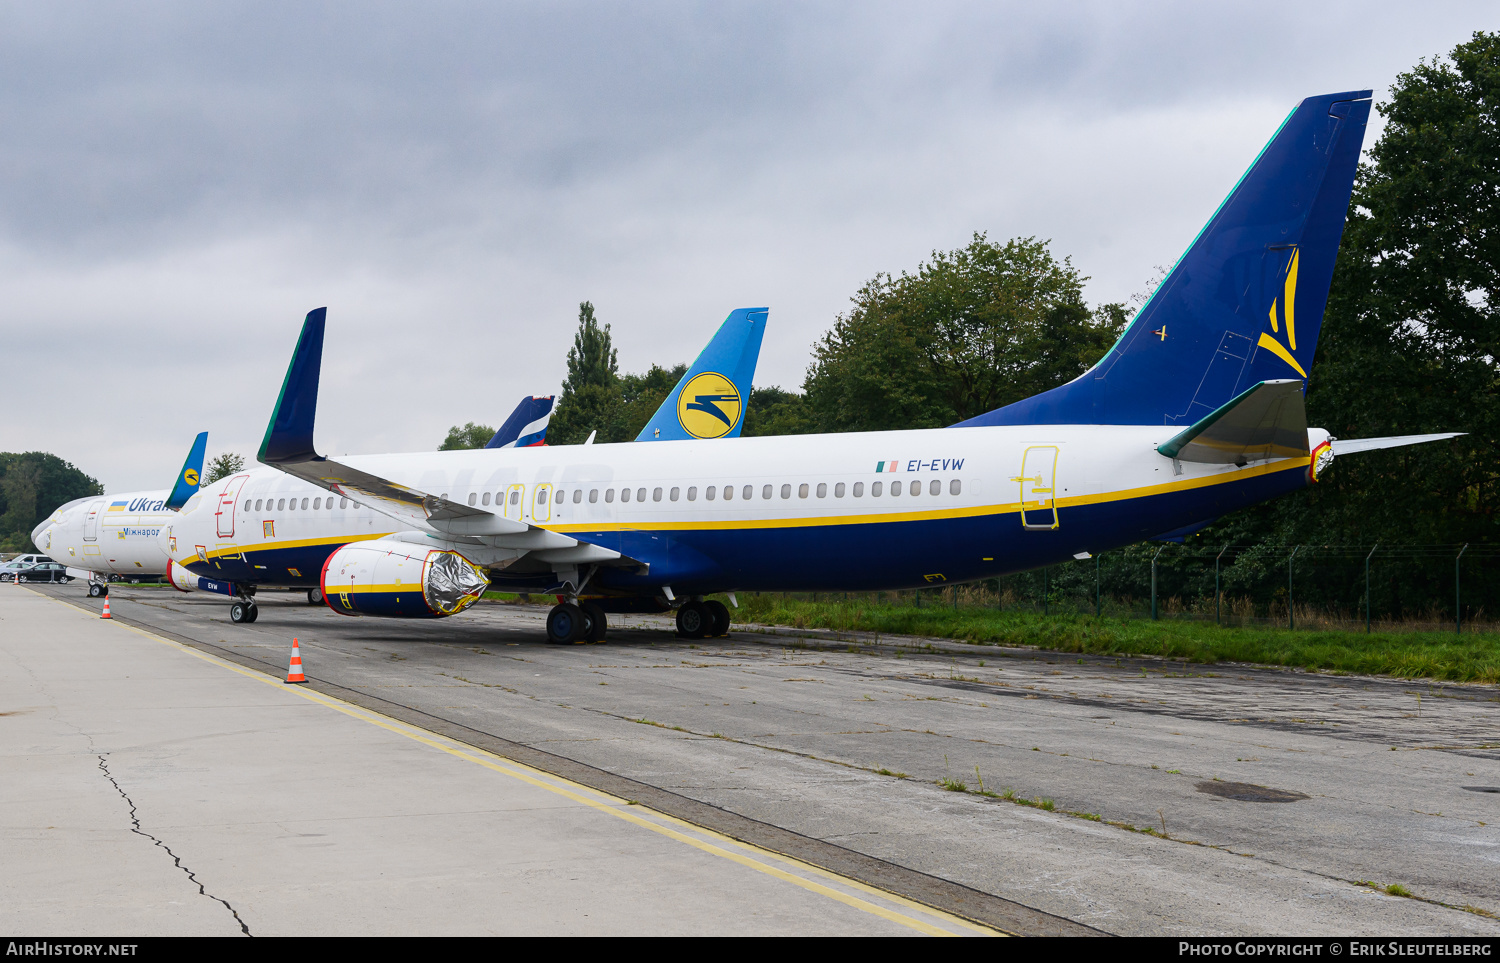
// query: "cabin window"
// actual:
[[802, 490], [916, 488], [609, 494], [304, 504], [786, 491], [692, 493], [317, 504], [895, 488], [541, 496], [875, 488], [640, 494], [256, 505], [748, 492], [577, 495], [473, 497], [515, 497], [674, 493], [859, 489], [935, 487], [728, 492], [822, 489], [593, 495], [838, 490], [708, 493], [280, 504], [655, 494], [486, 499], [624, 494]]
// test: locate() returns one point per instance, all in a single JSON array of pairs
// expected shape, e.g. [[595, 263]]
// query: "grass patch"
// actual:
[[892, 773], [1436, 655], [1396, 889], [953, 785]]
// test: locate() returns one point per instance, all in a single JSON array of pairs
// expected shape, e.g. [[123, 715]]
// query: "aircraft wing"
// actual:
[[1348, 446], [1264, 421], [288, 446]]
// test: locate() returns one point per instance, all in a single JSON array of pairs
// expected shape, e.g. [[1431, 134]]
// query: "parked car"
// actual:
[[43, 572], [9, 569]]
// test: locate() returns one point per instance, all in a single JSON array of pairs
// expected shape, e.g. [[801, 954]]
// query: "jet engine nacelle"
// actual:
[[184, 581], [400, 580]]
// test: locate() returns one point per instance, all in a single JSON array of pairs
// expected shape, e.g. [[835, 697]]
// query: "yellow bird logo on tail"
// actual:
[[1284, 315]]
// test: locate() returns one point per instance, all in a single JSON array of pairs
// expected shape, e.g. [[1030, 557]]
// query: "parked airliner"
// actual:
[[1196, 411]]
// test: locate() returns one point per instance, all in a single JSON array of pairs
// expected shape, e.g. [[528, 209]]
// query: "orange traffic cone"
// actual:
[[294, 671], [105, 614]]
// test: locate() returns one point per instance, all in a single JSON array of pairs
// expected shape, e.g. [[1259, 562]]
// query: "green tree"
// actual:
[[32, 485], [1409, 344], [972, 330], [469, 436], [776, 411], [591, 398], [641, 395], [223, 466]]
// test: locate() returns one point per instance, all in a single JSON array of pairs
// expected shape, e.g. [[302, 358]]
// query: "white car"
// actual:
[[8, 569]]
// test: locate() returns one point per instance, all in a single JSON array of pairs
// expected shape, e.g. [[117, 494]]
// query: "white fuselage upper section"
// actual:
[[108, 534]]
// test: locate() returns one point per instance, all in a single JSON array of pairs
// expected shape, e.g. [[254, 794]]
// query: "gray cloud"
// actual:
[[179, 183]]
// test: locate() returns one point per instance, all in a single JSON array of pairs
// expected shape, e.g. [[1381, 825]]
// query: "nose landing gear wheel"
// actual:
[[694, 620], [96, 590], [720, 613], [597, 624], [565, 624]]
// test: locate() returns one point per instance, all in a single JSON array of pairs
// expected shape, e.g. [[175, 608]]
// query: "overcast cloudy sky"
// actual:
[[181, 182]]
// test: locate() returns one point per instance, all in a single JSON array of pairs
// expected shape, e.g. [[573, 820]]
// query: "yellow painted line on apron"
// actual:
[[612, 805]]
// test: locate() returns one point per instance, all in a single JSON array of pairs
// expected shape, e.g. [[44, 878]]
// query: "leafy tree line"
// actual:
[[32, 485]]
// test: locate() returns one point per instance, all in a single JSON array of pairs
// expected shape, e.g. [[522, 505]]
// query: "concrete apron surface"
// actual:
[[152, 789]]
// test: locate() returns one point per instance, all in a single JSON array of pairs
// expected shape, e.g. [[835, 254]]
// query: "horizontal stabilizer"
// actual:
[[1266, 421], [1348, 446]]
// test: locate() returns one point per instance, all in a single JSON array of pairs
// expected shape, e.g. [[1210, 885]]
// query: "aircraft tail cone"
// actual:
[[294, 671], [105, 614]]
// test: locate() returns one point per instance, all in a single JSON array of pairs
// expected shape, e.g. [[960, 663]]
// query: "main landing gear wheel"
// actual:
[[242, 613], [314, 596], [694, 620], [720, 613], [596, 622], [96, 589], [565, 624]]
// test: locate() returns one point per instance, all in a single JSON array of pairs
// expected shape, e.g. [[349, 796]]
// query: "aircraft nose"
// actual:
[[39, 534]]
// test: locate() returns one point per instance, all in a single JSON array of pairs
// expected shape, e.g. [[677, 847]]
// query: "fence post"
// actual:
[[1153, 581], [1367, 587], [1218, 596], [1098, 599], [1458, 598], [1291, 622]]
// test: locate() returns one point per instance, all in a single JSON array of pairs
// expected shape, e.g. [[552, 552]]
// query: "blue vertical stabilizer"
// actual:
[[527, 425], [710, 400], [1245, 303], [191, 475]]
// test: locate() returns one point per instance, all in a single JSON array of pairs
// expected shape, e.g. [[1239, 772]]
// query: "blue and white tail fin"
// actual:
[[191, 475], [1245, 303], [527, 425], [710, 400]]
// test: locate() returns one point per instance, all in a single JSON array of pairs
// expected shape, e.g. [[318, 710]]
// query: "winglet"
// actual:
[[289, 437], [190, 475], [718, 382]]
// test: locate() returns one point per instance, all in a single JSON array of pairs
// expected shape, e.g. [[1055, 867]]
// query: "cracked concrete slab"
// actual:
[[150, 790], [793, 729]]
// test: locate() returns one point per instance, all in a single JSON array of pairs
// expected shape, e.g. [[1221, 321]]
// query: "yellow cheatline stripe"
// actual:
[[251, 548], [1010, 508], [612, 805]]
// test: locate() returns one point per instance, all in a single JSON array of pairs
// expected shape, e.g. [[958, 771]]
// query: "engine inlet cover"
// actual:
[[398, 580]]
